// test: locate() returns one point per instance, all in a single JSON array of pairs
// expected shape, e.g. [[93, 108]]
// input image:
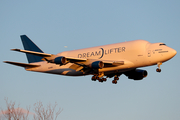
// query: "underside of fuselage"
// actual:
[[66, 72]]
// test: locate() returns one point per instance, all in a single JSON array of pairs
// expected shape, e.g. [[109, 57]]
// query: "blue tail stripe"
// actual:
[[29, 45]]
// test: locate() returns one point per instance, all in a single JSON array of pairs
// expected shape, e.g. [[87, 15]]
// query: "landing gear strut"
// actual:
[[158, 69]]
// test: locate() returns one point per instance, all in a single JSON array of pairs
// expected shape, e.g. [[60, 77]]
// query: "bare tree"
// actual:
[[48, 113], [41, 112], [13, 113]]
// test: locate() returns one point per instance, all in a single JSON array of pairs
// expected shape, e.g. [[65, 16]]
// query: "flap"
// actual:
[[76, 67], [113, 62]]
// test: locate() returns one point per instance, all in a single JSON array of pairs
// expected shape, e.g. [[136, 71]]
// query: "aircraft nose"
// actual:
[[173, 52]]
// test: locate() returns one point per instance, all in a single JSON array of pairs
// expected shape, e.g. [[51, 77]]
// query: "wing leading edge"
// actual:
[[78, 61]]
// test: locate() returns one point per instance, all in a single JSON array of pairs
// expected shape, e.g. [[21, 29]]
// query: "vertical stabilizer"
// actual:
[[29, 45]]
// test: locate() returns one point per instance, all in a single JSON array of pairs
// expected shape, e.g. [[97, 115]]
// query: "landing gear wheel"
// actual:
[[94, 78], [116, 78], [104, 79], [100, 80], [158, 70], [114, 81]]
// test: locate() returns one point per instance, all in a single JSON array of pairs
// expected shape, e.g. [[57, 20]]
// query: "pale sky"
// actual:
[[88, 23]]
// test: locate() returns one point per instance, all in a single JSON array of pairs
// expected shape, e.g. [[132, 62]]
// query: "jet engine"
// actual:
[[60, 60], [97, 65], [136, 74]]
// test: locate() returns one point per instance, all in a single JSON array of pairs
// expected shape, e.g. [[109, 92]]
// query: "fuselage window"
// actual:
[[162, 44]]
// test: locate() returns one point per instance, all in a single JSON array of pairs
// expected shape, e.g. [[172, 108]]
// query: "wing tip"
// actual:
[[15, 50]]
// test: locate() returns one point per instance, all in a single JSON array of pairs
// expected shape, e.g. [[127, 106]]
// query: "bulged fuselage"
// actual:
[[108, 60]]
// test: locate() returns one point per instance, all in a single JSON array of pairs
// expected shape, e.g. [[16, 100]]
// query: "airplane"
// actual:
[[101, 62]]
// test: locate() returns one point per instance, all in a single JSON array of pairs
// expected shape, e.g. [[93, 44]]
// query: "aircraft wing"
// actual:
[[108, 62], [74, 59], [70, 59], [48, 56], [114, 63], [22, 64], [80, 63], [33, 53]]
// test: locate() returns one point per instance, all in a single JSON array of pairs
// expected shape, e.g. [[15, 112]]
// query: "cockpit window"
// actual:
[[162, 44]]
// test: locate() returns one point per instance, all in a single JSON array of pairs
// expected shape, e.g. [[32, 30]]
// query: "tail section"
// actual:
[[29, 45]]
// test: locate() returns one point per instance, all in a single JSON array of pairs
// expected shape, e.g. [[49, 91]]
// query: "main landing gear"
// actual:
[[158, 69], [100, 79], [94, 78]]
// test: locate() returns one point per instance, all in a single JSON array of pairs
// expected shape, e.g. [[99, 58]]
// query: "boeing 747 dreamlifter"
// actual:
[[101, 62]]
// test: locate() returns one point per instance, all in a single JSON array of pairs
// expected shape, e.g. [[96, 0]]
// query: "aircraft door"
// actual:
[[149, 53]]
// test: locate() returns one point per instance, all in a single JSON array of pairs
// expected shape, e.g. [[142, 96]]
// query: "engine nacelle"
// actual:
[[60, 60], [136, 74], [97, 65]]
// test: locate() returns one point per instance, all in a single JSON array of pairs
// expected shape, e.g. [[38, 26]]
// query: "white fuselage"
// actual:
[[137, 53]]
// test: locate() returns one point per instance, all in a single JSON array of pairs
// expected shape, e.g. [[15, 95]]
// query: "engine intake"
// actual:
[[136, 74], [60, 60], [97, 65]]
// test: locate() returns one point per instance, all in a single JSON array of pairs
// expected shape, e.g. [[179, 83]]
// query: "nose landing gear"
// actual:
[[158, 69]]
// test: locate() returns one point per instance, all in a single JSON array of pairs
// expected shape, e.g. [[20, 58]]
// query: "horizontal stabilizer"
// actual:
[[22, 64]]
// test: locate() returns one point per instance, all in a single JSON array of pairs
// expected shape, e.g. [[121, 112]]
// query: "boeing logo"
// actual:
[[101, 52]]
